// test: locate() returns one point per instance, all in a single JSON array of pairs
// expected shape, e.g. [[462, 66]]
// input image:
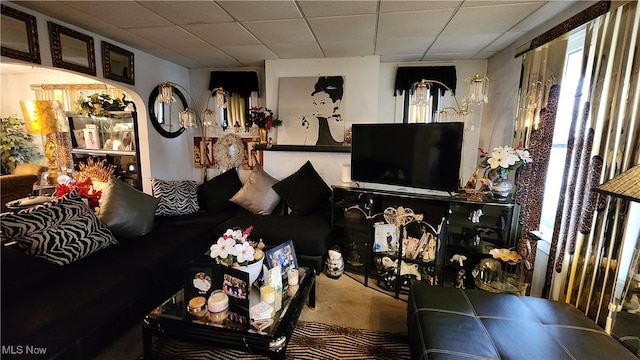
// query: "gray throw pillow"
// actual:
[[127, 212], [61, 231], [257, 194], [177, 197]]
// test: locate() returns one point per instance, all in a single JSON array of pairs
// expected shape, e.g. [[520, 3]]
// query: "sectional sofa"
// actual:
[[72, 281]]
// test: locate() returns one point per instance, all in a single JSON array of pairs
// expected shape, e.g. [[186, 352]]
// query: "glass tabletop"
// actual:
[[233, 318]]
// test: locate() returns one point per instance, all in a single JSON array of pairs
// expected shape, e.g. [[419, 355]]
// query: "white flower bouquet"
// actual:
[[234, 248], [505, 159]]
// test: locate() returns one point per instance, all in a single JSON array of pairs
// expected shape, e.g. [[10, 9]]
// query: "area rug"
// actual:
[[310, 340]]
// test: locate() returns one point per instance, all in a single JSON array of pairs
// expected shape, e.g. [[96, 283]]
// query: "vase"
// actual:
[[253, 270], [262, 132], [501, 187]]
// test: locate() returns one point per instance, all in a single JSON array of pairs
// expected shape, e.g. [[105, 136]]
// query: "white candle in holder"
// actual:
[[268, 294], [218, 301], [293, 277]]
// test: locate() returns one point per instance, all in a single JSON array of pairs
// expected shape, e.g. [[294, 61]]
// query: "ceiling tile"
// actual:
[[172, 56], [447, 56], [489, 19], [413, 24], [347, 48], [249, 54], [169, 36], [231, 33], [280, 31], [504, 41], [293, 51], [544, 13], [335, 8], [456, 44], [188, 12], [130, 39], [123, 14], [410, 46], [261, 10], [67, 14], [400, 6], [208, 55], [400, 58], [483, 55], [344, 28]]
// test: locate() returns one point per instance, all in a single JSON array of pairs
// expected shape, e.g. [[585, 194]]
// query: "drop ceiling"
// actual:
[[219, 34]]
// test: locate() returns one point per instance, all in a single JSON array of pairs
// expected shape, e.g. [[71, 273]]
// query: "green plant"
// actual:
[[15, 144], [99, 105]]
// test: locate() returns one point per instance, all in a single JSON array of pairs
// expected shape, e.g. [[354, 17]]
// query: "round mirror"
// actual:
[[165, 118]]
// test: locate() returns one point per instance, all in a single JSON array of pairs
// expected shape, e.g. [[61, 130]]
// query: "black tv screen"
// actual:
[[425, 156]]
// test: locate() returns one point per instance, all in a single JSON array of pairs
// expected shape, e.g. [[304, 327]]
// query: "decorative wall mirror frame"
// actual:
[[71, 50], [19, 35], [165, 117], [117, 63]]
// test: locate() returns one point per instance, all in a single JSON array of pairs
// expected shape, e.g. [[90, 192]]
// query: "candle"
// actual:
[[196, 304], [268, 294], [218, 301], [293, 277]]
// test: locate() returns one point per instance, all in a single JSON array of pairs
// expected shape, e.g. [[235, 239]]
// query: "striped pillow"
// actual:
[[176, 197], [61, 231]]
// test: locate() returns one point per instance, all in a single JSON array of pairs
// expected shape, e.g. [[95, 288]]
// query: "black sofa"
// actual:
[[451, 323], [75, 310]]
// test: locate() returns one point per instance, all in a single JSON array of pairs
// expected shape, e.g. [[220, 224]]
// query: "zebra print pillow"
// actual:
[[176, 197], [61, 231]]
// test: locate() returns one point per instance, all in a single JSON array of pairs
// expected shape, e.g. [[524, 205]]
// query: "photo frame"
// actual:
[[19, 35], [197, 152], [200, 278], [71, 49], [283, 255], [235, 283], [117, 63], [91, 138], [78, 139]]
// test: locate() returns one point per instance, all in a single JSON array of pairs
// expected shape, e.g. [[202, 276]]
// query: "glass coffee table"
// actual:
[[173, 320]]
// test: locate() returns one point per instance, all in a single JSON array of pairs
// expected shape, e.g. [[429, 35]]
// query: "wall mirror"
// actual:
[[165, 118], [117, 63], [72, 50], [19, 35]]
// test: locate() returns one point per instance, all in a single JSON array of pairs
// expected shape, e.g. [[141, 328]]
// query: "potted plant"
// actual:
[[15, 144]]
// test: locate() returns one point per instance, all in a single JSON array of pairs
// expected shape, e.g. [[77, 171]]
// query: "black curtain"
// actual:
[[239, 82], [406, 76]]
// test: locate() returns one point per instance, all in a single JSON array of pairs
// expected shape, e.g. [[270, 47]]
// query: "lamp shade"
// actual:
[[44, 116], [625, 185]]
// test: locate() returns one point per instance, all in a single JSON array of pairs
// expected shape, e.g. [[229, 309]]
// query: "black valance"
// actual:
[[239, 82], [406, 76]]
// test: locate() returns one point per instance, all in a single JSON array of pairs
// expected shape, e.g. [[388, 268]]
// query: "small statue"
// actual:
[[460, 279], [459, 258]]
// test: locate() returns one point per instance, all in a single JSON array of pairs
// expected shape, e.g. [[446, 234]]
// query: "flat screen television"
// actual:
[[424, 156]]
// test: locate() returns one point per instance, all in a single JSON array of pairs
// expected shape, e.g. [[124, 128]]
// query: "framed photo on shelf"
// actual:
[[78, 136], [385, 237], [283, 255], [91, 138]]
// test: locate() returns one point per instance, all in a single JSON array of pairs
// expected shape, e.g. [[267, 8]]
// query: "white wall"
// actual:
[[159, 157]]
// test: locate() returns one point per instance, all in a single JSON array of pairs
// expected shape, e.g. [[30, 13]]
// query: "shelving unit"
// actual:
[[114, 138], [468, 229]]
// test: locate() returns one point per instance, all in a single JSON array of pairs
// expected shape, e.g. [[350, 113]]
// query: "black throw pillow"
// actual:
[[304, 191], [214, 194]]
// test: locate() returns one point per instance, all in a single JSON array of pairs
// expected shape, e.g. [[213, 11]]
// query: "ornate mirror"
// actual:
[[165, 118]]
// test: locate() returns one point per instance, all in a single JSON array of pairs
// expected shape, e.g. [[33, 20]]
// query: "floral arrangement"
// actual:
[[85, 189], [504, 159], [99, 105], [263, 118], [234, 248]]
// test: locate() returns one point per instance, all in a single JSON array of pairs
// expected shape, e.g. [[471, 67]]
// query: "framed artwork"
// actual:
[[19, 35], [197, 152], [205, 148], [71, 49], [199, 278], [91, 138], [117, 63], [385, 237], [252, 157], [283, 255], [311, 111], [78, 138]]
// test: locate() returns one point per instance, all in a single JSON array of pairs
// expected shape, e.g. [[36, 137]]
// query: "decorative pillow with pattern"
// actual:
[[61, 231], [176, 197]]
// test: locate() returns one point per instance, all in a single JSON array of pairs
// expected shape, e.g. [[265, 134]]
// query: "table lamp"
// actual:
[[46, 117]]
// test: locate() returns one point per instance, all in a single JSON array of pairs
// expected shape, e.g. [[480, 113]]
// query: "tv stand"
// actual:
[[470, 229]]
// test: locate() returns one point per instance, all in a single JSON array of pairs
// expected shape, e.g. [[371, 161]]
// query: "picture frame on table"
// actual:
[[199, 280], [235, 283], [283, 255]]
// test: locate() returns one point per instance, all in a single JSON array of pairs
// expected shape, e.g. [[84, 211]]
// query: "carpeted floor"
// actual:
[[310, 340], [344, 303]]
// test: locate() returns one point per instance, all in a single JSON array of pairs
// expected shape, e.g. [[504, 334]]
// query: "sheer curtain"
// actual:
[[588, 233]]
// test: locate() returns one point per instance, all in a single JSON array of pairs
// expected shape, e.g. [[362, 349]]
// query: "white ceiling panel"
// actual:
[[231, 33], [413, 24], [188, 12], [344, 28], [280, 31], [218, 34]]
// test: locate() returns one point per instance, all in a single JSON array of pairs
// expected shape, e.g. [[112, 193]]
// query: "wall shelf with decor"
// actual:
[[114, 138], [469, 229], [321, 148]]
